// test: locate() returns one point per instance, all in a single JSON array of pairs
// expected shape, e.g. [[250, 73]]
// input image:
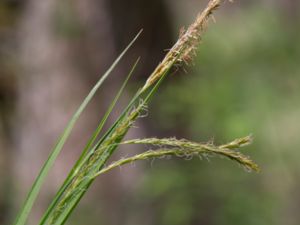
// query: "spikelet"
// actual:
[[187, 149], [184, 48]]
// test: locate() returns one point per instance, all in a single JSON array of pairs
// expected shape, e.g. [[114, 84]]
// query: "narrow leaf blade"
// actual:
[[88, 146], [24, 213]]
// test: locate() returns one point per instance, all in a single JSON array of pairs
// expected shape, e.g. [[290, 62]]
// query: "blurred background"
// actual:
[[245, 80]]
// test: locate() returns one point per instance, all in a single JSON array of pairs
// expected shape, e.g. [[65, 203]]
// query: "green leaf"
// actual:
[[25, 211], [84, 155], [85, 185]]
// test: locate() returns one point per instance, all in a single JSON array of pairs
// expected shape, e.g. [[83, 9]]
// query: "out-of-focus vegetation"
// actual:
[[245, 80]]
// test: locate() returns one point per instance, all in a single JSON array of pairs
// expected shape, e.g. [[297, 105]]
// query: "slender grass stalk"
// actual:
[[84, 155], [98, 150], [24, 212], [98, 159]]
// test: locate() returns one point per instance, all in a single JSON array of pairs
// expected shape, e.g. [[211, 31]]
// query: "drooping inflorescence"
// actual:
[[187, 149]]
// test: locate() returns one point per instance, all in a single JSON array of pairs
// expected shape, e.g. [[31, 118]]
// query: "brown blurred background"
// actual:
[[246, 79]]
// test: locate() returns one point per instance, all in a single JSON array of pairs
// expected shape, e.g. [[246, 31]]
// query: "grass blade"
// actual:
[[74, 199], [87, 147], [24, 213]]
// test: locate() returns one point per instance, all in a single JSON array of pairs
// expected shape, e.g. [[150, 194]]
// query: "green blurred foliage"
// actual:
[[246, 80], [66, 23]]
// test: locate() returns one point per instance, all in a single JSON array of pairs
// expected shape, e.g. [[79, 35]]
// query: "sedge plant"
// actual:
[[99, 149]]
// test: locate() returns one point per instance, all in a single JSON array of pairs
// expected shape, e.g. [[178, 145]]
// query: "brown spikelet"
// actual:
[[184, 48]]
